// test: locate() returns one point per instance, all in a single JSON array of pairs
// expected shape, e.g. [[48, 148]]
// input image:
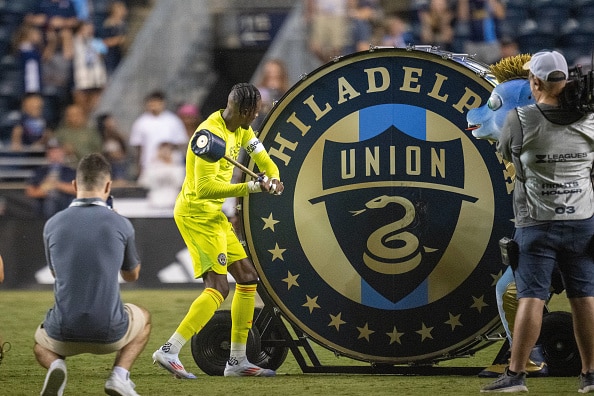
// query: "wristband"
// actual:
[[254, 187]]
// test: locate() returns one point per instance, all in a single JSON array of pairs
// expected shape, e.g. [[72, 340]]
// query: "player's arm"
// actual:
[[208, 186], [130, 270], [256, 151], [1, 270], [131, 275]]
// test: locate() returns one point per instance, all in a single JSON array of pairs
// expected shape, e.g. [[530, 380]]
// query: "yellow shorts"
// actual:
[[211, 241], [137, 322]]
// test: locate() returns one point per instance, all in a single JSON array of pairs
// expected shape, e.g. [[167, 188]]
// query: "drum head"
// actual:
[[384, 244]]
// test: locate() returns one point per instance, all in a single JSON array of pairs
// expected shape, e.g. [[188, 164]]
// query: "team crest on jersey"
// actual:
[[222, 259], [384, 244]]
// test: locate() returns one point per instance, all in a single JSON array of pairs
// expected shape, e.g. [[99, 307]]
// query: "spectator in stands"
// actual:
[[273, 84], [190, 115], [31, 129], [509, 47], [113, 33], [114, 149], [436, 19], [55, 16], [363, 15], [76, 136], [328, 27], [397, 33], [56, 75], [163, 177], [51, 184], [480, 18], [157, 124], [90, 74], [28, 42], [82, 9]]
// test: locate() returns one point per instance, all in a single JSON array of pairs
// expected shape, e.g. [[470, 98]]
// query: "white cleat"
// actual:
[[247, 369], [171, 363]]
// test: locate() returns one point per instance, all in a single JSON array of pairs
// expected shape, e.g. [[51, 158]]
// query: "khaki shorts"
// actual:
[[211, 241], [137, 322]]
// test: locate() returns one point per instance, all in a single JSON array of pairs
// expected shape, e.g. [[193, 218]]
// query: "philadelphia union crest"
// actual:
[[384, 244]]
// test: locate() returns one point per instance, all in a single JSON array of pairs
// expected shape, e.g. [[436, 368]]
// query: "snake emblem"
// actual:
[[405, 254]]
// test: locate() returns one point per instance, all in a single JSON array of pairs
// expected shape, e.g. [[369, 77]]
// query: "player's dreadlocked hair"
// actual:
[[246, 96]]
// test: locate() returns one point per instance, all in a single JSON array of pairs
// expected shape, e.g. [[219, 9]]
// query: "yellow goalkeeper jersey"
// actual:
[[207, 184]]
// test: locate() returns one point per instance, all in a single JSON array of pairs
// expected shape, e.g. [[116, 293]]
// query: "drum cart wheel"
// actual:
[[210, 347], [558, 344]]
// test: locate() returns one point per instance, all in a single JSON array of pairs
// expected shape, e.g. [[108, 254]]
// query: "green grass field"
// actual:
[[20, 374]]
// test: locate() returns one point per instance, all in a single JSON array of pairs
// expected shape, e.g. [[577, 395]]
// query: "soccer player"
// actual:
[[213, 245]]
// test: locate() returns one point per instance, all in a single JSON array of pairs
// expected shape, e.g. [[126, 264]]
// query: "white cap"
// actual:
[[543, 63]]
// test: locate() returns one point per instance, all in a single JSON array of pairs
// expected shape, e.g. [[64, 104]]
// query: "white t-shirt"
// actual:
[[149, 131], [163, 181]]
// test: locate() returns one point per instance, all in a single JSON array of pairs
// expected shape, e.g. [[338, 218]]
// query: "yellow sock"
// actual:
[[242, 312], [200, 312]]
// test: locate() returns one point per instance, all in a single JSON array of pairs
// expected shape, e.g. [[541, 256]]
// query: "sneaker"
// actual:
[[171, 363], [507, 383], [586, 382], [115, 386], [246, 369], [55, 380]]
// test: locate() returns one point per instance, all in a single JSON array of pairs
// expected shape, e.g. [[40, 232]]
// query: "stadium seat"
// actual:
[[533, 37], [11, 87], [576, 41], [583, 9], [550, 14], [5, 39], [516, 13]]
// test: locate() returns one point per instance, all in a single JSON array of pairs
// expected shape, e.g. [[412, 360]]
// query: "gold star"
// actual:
[[395, 336], [364, 332], [269, 222], [454, 321], [291, 280], [336, 321], [311, 303], [496, 277], [425, 332], [479, 304], [277, 253]]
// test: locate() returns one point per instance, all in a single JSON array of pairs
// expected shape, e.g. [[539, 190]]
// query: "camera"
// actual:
[[109, 202], [578, 93], [510, 252]]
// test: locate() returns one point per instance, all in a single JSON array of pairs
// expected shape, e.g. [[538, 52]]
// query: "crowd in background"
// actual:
[[67, 58]]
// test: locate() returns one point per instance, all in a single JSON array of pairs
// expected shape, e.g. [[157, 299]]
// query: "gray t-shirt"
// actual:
[[86, 245]]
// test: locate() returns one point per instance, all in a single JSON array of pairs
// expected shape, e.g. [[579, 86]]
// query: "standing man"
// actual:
[[87, 246], [213, 245], [156, 125], [479, 18], [51, 184], [552, 149]]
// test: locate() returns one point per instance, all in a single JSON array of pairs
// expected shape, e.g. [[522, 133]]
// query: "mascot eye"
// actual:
[[494, 102]]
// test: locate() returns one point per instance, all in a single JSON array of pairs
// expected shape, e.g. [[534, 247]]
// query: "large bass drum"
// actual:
[[384, 244]]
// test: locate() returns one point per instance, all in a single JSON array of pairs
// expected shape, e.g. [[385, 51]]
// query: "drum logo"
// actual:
[[383, 246]]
